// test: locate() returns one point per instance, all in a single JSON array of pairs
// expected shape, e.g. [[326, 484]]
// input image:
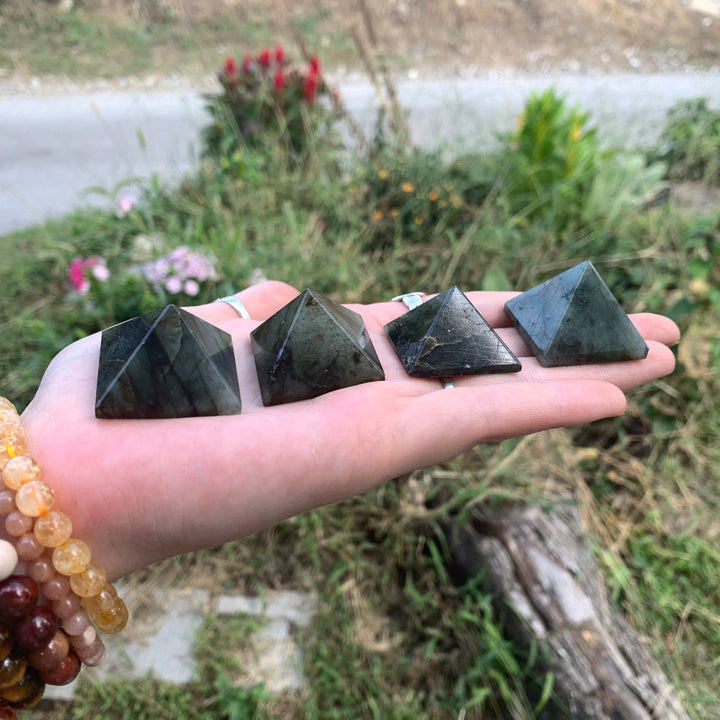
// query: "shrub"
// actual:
[[690, 142], [264, 100]]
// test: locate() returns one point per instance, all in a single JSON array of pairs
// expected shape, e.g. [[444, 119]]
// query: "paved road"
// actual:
[[53, 147]]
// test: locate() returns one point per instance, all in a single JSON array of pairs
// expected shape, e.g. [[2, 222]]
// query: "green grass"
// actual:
[[397, 634]]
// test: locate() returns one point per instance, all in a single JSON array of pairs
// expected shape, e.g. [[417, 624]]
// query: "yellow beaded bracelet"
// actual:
[[52, 596]]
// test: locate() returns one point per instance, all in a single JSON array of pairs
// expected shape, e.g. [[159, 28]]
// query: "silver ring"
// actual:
[[412, 300], [239, 308]]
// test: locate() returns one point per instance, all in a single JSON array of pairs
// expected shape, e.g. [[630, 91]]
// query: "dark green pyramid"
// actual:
[[573, 319], [166, 364], [310, 347], [446, 336]]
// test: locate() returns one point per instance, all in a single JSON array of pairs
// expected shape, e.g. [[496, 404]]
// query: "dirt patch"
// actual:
[[466, 36]]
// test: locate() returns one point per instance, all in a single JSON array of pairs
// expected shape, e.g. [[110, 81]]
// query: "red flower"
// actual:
[[247, 63], [279, 80], [310, 86], [230, 68], [314, 65], [264, 58], [77, 276], [279, 54]]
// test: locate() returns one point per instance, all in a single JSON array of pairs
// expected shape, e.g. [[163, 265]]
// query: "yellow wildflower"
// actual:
[[433, 195], [378, 215], [408, 187], [395, 212], [455, 201], [576, 131], [383, 174], [418, 220]]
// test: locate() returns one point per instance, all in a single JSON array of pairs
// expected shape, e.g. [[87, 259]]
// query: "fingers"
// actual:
[[261, 301], [496, 412]]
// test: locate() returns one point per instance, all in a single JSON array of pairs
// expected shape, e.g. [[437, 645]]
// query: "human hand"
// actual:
[[143, 490]]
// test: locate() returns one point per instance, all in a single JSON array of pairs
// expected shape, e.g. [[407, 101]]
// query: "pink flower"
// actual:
[[279, 54], [77, 277], [100, 272], [279, 80], [173, 285], [191, 288], [126, 204]]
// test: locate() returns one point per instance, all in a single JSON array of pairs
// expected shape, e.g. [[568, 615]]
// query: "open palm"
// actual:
[[143, 490]]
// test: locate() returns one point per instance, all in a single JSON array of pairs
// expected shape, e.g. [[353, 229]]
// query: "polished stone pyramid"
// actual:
[[573, 319], [446, 336], [166, 364], [310, 347]]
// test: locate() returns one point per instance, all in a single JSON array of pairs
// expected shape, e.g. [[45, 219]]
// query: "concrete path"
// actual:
[[52, 148]]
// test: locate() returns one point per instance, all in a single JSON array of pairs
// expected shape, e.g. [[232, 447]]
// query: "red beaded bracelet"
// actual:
[[52, 596]]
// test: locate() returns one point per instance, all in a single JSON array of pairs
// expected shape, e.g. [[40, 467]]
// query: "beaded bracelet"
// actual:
[[52, 597]]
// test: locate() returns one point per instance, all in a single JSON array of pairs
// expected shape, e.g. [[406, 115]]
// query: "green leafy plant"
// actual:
[[550, 161], [690, 142]]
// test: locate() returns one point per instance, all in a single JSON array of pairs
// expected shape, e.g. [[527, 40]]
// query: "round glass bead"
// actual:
[[26, 693], [71, 557], [89, 582], [114, 620], [17, 523], [7, 501], [11, 447], [102, 602], [18, 596], [8, 559], [53, 529], [56, 588], [7, 639], [52, 654], [28, 548], [34, 498], [11, 428], [65, 672], [7, 415], [20, 470], [12, 668], [41, 569], [36, 630], [5, 404]]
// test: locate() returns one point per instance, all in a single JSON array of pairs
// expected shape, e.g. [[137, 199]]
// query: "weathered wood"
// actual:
[[541, 566]]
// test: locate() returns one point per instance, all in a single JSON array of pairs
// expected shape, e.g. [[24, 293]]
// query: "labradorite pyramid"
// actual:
[[166, 364], [573, 319], [446, 336], [310, 347]]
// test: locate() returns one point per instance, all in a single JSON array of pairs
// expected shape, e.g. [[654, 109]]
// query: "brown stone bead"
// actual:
[[76, 624], [6, 640], [65, 672], [41, 569], [56, 588], [52, 654], [25, 693], [7, 501], [92, 655], [67, 606], [28, 548], [17, 524], [12, 668]]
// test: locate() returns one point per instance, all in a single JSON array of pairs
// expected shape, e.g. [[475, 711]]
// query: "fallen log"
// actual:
[[540, 565]]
